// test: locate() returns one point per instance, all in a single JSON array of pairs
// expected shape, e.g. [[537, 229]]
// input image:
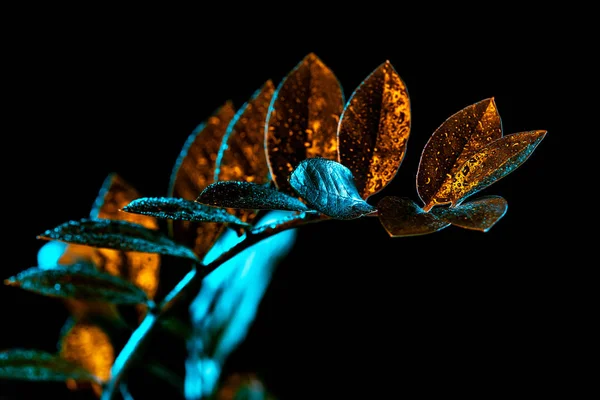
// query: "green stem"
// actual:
[[183, 293]]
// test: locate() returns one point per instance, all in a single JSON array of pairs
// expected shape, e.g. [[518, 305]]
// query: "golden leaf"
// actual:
[[88, 346], [303, 119], [194, 170], [492, 163], [374, 130], [400, 217], [453, 143]]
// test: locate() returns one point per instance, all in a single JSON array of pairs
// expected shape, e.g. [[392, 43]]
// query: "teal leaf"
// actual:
[[78, 281], [34, 365], [479, 215], [248, 195], [401, 216], [328, 187]]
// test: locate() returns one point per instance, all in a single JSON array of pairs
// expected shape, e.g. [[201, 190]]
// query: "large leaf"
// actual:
[[35, 365], [248, 195], [479, 215], [228, 301], [303, 119], [181, 210], [328, 187], [400, 216], [193, 171], [78, 281], [87, 345], [117, 235], [492, 163], [453, 143], [374, 129]]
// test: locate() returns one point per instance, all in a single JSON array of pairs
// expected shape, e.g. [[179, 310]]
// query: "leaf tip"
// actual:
[[12, 281]]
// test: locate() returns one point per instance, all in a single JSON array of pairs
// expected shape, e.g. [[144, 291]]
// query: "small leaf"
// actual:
[[453, 143], [400, 216], [78, 281], [117, 235], [87, 345], [374, 130], [492, 163], [303, 119], [34, 365], [329, 188], [242, 152], [181, 210], [248, 195], [479, 215]]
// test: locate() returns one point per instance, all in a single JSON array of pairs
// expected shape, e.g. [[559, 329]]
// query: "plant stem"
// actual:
[[183, 292]]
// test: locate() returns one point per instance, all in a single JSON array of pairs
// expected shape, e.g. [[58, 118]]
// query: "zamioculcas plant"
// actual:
[[194, 264]]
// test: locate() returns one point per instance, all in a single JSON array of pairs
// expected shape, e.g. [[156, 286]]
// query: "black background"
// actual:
[[350, 310]]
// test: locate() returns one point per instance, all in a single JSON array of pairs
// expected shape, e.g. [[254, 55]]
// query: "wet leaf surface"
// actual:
[[400, 216], [35, 365], [303, 119], [116, 235], [247, 195], [328, 187], [479, 215], [453, 143], [374, 130], [80, 282]]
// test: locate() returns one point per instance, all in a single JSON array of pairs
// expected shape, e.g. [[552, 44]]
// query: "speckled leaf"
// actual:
[[479, 215], [193, 171], [181, 210], [87, 345], [453, 143], [303, 119], [78, 281], [374, 130], [328, 187], [242, 153], [35, 365], [248, 195], [493, 162], [400, 216], [117, 235]]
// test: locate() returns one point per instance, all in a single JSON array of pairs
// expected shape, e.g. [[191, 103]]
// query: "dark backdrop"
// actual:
[[350, 310]]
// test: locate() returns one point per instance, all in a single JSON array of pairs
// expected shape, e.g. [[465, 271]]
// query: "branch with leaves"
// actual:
[[245, 180]]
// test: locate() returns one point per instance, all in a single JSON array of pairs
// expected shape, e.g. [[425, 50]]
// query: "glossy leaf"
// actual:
[[117, 235], [35, 365], [193, 171], [87, 345], [248, 195], [492, 163], [374, 130], [401, 216], [303, 119], [78, 281], [242, 154], [328, 187], [453, 143], [479, 215], [181, 210]]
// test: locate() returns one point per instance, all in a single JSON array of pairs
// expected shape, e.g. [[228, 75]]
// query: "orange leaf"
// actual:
[[453, 143], [303, 119], [374, 129], [400, 217]]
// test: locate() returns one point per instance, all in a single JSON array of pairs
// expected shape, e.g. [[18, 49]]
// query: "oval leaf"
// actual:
[[400, 216], [34, 365], [453, 143], [303, 119], [248, 195], [493, 162], [88, 346], [329, 188], [479, 215], [374, 129], [181, 210], [117, 235], [79, 281]]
